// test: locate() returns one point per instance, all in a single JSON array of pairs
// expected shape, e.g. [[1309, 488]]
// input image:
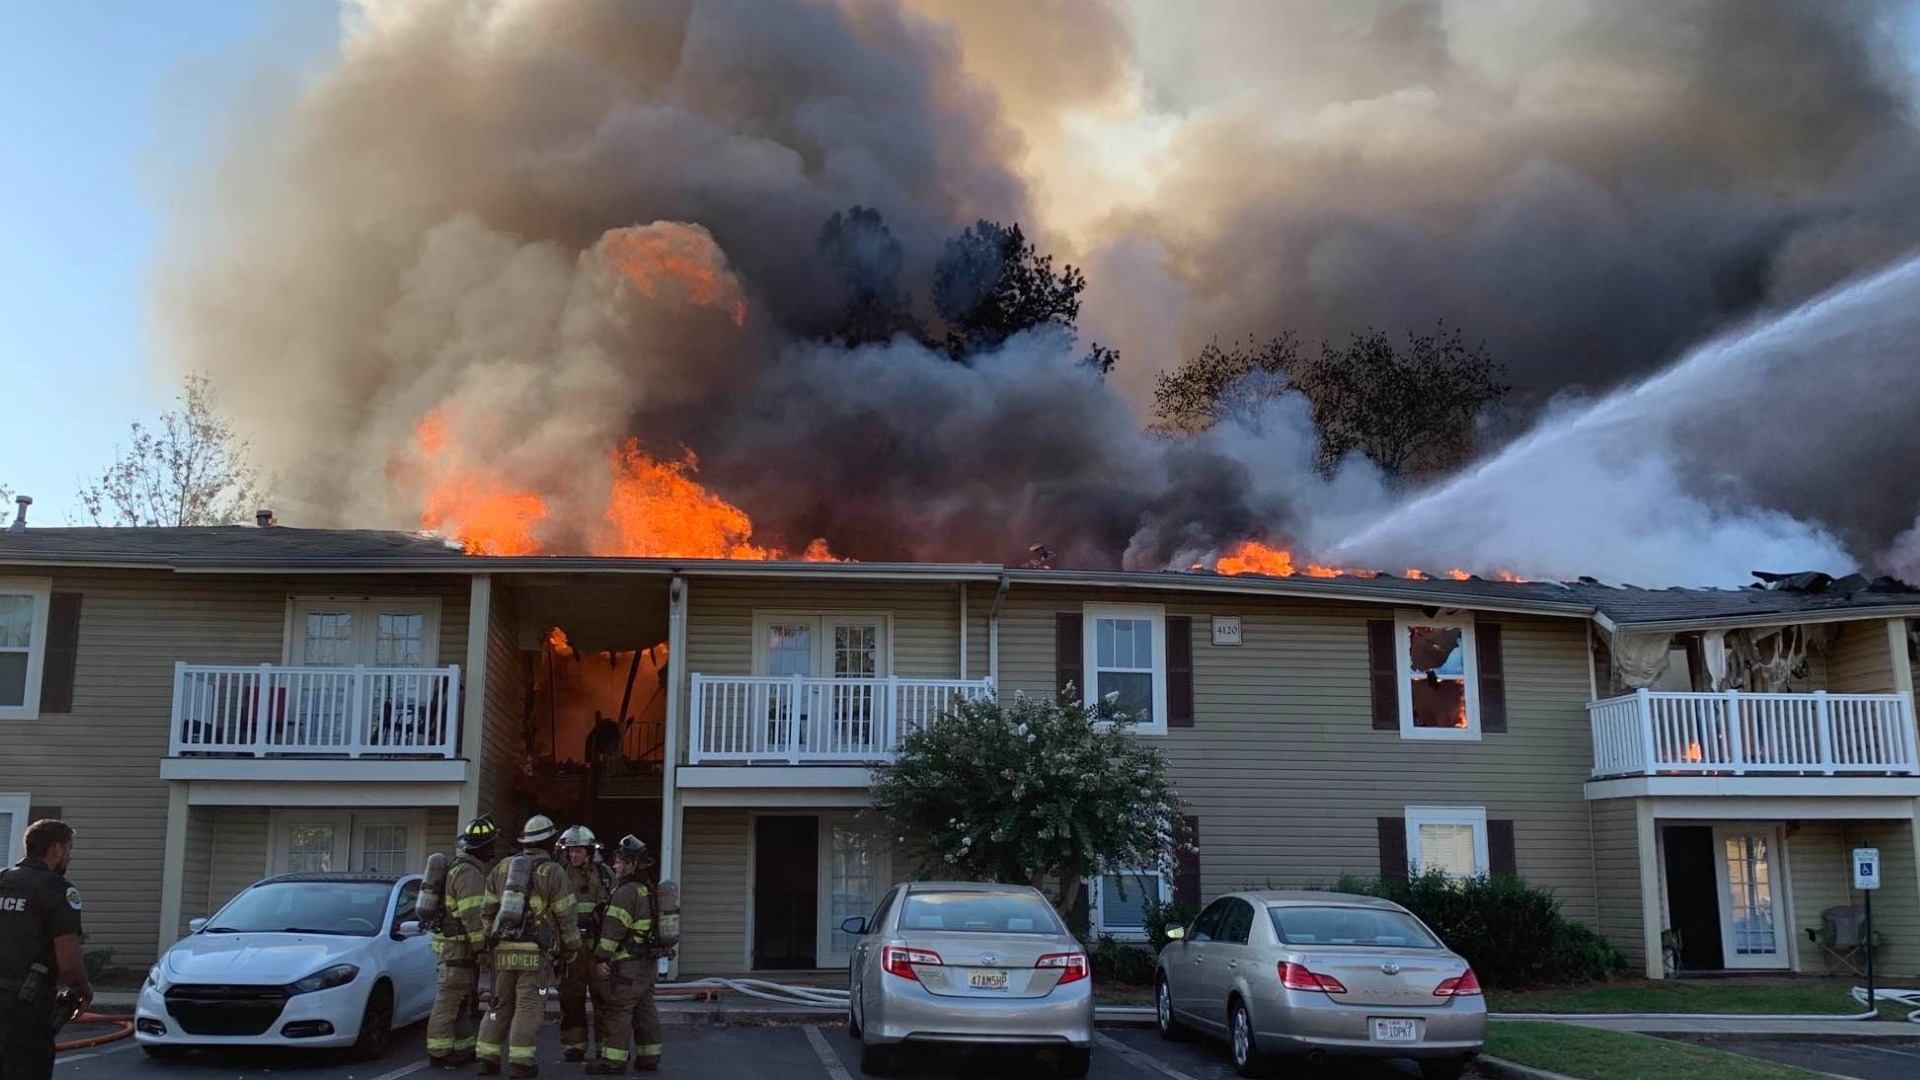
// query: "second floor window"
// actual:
[[1126, 657], [822, 646], [23, 635], [1438, 681], [348, 632]]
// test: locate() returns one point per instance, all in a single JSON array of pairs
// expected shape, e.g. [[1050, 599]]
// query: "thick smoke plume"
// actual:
[[500, 237]]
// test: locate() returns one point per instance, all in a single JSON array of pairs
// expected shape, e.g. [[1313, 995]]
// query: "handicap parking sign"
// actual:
[[1866, 868]]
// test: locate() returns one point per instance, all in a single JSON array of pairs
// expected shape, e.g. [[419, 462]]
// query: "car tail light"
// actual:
[[1467, 985], [895, 960], [1297, 977], [1075, 965]]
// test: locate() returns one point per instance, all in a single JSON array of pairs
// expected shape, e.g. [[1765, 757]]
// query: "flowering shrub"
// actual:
[[1039, 791]]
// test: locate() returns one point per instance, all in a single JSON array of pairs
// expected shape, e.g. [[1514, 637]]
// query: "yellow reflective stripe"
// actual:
[[620, 916], [487, 1049], [460, 907], [521, 1054], [613, 1053], [439, 1047], [648, 1051]]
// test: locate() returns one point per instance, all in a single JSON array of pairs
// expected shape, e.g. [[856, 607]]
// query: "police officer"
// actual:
[[625, 1022], [39, 950], [592, 884], [546, 920], [460, 944]]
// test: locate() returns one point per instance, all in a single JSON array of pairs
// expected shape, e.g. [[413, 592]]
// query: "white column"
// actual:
[[173, 867], [678, 678], [1651, 917], [473, 707], [963, 631]]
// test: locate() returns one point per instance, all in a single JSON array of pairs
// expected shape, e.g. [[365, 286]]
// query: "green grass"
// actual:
[[1593, 1054], [1121, 994], [1678, 996]]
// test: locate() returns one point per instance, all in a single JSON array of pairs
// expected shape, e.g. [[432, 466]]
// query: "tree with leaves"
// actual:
[[863, 263], [991, 283], [1411, 409], [191, 470], [1041, 791]]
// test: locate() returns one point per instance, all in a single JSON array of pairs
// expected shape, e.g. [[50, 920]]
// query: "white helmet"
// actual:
[[578, 836], [539, 830]]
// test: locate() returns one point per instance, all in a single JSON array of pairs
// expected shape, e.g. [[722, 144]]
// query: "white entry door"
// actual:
[[1752, 921], [854, 875]]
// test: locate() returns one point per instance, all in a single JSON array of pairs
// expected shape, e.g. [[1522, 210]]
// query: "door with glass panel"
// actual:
[[854, 875], [1752, 923], [830, 703], [315, 710]]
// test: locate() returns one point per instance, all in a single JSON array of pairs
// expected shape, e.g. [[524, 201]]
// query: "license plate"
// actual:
[[1396, 1030], [987, 980]]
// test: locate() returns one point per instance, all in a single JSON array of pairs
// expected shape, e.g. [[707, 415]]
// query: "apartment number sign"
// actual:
[[1226, 629]]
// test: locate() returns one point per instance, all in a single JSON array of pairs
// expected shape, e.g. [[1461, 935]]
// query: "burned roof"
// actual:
[[220, 544]]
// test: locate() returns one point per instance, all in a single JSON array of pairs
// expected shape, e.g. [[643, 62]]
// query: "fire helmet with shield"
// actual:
[[479, 836], [540, 829], [578, 836], [633, 849]]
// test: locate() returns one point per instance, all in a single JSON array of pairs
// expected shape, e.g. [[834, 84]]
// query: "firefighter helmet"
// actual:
[[632, 848], [578, 836], [539, 830], [479, 835]]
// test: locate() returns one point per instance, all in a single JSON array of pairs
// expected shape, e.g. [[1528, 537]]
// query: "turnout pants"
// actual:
[[513, 1024], [573, 1007], [26, 1039], [646, 1018], [613, 999], [451, 1029]]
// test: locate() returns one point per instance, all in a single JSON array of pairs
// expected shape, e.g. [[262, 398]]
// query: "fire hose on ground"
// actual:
[[812, 997], [123, 1027]]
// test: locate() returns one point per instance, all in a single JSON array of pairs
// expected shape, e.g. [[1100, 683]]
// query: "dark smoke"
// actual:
[[1588, 186]]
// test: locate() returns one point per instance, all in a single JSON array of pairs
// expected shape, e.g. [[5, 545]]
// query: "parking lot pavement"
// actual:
[[1866, 1061], [815, 1052]]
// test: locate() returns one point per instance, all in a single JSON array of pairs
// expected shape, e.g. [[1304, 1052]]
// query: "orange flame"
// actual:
[[557, 641], [1458, 574], [651, 256], [1254, 557], [489, 517]]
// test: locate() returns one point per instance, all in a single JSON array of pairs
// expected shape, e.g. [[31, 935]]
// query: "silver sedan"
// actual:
[[1317, 974], [959, 962]]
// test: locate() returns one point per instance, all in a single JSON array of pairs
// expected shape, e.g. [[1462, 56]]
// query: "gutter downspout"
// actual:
[[993, 631], [670, 753]]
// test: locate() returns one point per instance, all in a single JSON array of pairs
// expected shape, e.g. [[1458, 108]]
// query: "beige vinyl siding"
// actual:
[[100, 763], [502, 739], [979, 629], [443, 828], [1616, 871], [1284, 769], [197, 873], [240, 843], [1860, 660], [715, 876], [1818, 878]]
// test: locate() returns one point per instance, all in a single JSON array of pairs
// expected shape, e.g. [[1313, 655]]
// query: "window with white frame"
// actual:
[[322, 840], [14, 809], [1126, 657], [1120, 900], [23, 644], [383, 849], [350, 631], [1439, 677], [1447, 838]]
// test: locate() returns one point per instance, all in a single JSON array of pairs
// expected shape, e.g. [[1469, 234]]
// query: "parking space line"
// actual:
[[64, 1059], [1136, 1058], [827, 1056], [404, 1070]]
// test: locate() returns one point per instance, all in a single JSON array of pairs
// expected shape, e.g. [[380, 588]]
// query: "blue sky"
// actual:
[[101, 106]]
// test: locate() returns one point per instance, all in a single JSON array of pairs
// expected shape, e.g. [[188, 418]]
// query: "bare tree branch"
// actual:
[[193, 470]]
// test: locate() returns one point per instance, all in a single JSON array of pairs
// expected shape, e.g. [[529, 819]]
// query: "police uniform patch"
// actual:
[[73, 898]]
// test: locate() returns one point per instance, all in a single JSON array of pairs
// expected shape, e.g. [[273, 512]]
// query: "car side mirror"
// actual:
[[194, 926], [855, 926], [407, 929], [1175, 933]]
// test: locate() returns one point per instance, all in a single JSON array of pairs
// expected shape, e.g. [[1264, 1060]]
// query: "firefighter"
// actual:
[[39, 950], [592, 884], [529, 908], [460, 943], [626, 1024]]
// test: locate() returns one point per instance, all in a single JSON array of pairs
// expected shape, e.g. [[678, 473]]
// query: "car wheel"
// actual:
[[876, 1060], [1447, 1069], [1247, 1059], [1074, 1063], [853, 1013], [1170, 1029], [376, 1024], [164, 1053]]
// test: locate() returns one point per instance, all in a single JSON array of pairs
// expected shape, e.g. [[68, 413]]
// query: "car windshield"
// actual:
[[1376, 927], [346, 908], [975, 911]]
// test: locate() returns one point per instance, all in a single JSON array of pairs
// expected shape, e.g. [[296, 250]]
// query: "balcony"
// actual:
[[793, 721], [271, 711], [1652, 733]]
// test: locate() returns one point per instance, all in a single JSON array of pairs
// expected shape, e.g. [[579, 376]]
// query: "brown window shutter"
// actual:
[[1500, 861], [63, 651], [1179, 671], [1393, 847], [1069, 654], [1384, 667], [1493, 677], [1186, 870]]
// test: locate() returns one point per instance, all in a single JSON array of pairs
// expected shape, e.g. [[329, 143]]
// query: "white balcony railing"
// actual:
[[315, 711], [1738, 734], [794, 720]]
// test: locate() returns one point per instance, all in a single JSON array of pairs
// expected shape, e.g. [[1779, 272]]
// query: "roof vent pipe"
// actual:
[[20, 519], [264, 519]]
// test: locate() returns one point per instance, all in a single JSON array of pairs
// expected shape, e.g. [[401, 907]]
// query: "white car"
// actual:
[[309, 960]]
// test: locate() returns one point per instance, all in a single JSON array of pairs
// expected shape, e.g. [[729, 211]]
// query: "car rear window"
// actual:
[[979, 912], [1372, 927]]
